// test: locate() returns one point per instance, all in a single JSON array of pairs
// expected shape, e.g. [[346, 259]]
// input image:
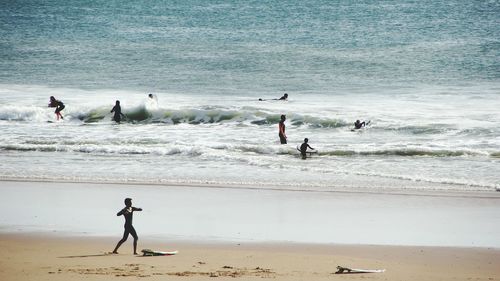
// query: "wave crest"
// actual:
[[271, 150], [146, 114]]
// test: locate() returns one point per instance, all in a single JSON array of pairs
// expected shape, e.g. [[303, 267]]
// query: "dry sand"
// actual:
[[51, 257]]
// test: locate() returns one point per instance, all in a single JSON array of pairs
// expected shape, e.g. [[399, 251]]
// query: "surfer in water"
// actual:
[[127, 212], [281, 128], [117, 109], [284, 97], [153, 99], [59, 105], [303, 148], [358, 124]]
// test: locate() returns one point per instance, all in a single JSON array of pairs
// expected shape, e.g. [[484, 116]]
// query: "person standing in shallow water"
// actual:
[[59, 105], [127, 212], [281, 132], [303, 148], [117, 109]]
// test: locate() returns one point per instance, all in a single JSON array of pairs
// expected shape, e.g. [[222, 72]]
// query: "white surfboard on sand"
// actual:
[[347, 270], [148, 252]]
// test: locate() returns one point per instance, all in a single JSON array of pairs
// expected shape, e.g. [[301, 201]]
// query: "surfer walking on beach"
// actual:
[[281, 128], [117, 109], [59, 105], [303, 148], [127, 212]]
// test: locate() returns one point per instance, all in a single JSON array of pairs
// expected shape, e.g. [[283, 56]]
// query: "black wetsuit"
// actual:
[[129, 229], [59, 105], [358, 125], [303, 149], [118, 113]]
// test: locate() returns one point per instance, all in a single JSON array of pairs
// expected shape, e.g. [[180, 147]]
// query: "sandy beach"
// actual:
[[395, 103], [66, 231], [42, 257]]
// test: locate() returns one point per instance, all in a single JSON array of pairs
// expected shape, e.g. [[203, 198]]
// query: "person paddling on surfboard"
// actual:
[[59, 105], [284, 97], [117, 109], [358, 124], [303, 148], [127, 212], [281, 132]]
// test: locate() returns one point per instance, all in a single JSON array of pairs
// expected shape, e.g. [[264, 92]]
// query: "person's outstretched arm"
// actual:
[[121, 212], [136, 209]]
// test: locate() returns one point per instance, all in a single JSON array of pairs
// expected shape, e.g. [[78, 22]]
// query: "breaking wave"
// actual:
[[144, 114], [155, 148]]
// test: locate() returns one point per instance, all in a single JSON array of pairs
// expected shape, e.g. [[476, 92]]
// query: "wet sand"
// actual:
[[65, 231], [232, 213]]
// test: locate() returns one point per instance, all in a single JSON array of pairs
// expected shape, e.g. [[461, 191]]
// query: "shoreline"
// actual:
[[493, 194], [316, 247], [47, 257]]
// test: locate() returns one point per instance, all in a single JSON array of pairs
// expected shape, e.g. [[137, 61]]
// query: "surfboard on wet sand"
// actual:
[[347, 270], [150, 253]]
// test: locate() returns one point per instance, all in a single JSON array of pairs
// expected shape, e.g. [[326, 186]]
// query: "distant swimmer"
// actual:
[[127, 212], [153, 98], [303, 148], [59, 105], [117, 109], [281, 128], [284, 97], [358, 124]]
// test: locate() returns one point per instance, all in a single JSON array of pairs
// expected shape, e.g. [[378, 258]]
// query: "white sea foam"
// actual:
[[413, 140]]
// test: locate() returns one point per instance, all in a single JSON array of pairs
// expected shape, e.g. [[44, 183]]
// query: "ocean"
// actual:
[[426, 74]]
